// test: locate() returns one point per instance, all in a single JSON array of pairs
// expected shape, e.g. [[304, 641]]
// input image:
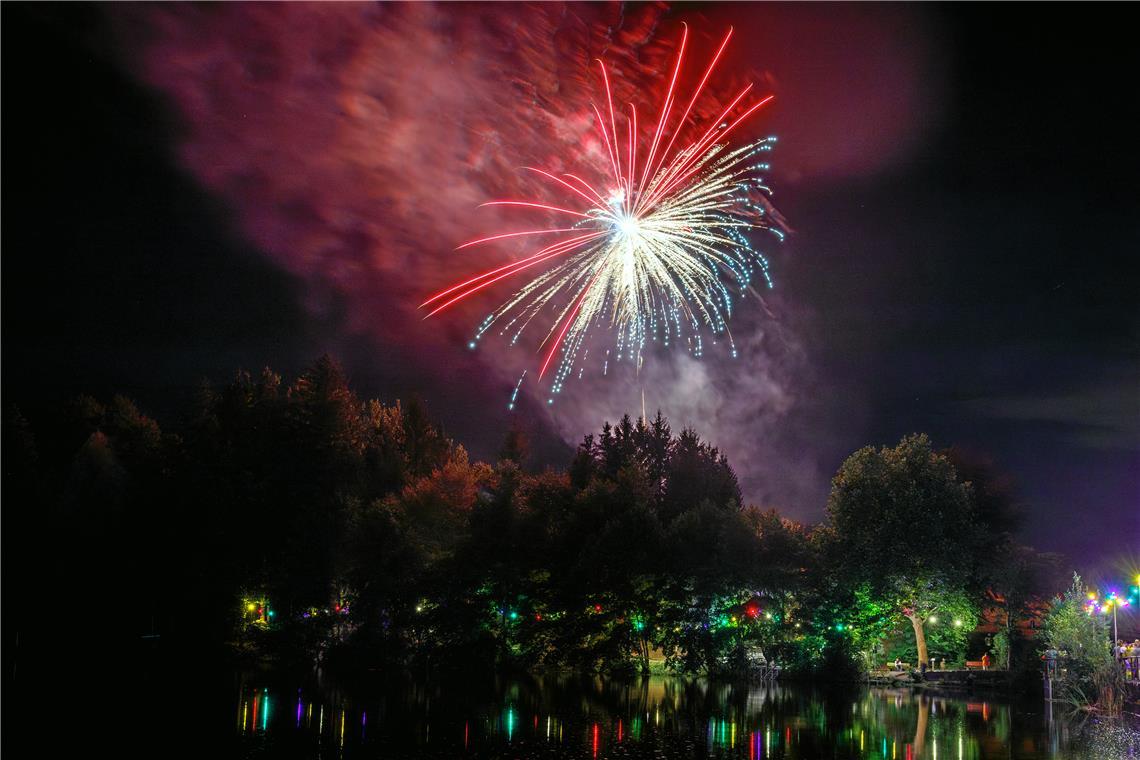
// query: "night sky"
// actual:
[[189, 190]]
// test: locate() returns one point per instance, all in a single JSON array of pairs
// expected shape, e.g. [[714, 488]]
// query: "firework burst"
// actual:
[[653, 255]]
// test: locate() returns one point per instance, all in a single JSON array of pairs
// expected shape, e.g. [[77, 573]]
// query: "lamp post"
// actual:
[[1114, 603], [1111, 602]]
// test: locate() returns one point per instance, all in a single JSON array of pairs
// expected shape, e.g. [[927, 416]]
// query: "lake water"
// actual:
[[659, 717]]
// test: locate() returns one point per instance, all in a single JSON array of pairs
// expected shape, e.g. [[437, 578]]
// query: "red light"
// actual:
[[538, 616], [597, 608]]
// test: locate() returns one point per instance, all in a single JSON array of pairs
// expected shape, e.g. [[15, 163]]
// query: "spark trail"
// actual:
[[649, 259]]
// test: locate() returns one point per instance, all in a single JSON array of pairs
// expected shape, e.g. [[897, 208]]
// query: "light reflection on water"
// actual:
[[566, 717]]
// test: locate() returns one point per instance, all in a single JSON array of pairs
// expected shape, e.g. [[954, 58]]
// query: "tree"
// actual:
[[901, 522], [1088, 674], [516, 446], [695, 473]]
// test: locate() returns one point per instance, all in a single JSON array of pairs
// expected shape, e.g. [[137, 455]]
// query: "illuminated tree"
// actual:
[[1088, 674], [902, 525]]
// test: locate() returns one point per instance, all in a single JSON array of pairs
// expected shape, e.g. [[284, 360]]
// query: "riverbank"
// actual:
[[950, 681]]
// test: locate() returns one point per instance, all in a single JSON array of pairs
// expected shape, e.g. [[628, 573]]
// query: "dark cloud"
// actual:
[[1100, 416]]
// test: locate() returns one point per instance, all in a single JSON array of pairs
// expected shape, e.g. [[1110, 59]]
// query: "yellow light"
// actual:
[[933, 618], [1092, 595], [251, 606]]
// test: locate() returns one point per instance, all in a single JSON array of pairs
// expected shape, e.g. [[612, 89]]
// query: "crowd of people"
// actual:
[[1127, 654], [1129, 657]]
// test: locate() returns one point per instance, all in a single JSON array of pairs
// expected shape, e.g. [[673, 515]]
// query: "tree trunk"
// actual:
[[919, 639]]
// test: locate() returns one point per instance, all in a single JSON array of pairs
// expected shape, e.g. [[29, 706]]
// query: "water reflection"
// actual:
[[562, 716]]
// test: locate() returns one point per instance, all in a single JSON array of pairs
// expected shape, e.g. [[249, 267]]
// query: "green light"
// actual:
[[839, 626], [514, 615]]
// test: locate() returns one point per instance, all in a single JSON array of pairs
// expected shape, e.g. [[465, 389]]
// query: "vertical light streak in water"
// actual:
[[342, 712], [300, 711], [510, 723], [595, 740], [244, 713], [265, 711]]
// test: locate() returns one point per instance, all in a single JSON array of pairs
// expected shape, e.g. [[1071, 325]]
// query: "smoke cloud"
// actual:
[[354, 142]]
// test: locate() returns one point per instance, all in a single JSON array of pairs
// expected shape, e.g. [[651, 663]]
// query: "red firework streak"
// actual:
[[662, 173]]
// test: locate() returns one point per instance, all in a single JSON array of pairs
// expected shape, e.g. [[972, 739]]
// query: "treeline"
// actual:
[[297, 521]]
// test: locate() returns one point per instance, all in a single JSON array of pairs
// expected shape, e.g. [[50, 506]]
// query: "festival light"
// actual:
[[650, 253], [1110, 604]]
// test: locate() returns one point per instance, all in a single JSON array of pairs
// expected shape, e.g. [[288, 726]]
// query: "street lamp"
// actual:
[[1111, 602]]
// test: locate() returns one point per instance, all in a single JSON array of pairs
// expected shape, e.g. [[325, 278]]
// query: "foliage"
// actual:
[[377, 540], [902, 532], [1087, 673]]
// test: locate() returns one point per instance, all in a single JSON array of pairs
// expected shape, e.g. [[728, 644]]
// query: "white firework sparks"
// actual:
[[652, 261]]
